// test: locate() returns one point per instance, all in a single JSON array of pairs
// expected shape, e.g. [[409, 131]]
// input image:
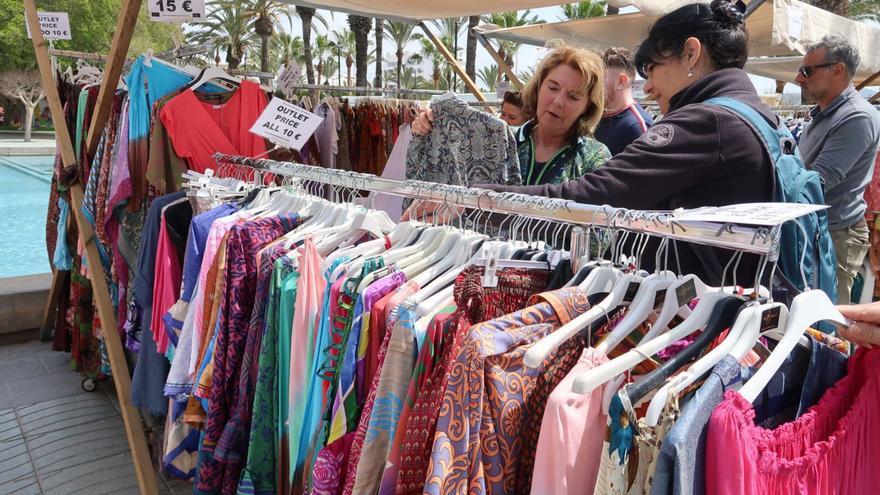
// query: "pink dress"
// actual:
[[833, 448]]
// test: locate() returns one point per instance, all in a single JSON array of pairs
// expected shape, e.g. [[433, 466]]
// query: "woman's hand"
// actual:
[[866, 330], [423, 123]]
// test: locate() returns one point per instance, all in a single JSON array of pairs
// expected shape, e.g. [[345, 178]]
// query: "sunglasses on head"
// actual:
[[807, 70]]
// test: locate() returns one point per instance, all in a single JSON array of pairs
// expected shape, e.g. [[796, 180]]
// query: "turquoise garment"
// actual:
[[311, 422], [264, 444], [61, 258]]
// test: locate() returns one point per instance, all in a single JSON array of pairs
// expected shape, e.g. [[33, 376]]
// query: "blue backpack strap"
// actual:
[[772, 137]]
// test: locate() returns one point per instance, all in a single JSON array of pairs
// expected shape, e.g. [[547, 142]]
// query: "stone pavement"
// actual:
[[56, 438], [36, 146]]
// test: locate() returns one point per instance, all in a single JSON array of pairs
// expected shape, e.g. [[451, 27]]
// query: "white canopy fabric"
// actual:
[[778, 28], [417, 10]]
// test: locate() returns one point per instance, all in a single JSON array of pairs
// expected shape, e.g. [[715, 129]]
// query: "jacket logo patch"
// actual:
[[660, 135]]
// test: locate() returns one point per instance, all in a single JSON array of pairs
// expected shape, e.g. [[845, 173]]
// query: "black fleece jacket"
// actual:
[[697, 155]]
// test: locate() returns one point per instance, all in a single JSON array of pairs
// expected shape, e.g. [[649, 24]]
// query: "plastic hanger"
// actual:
[[595, 377], [722, 318], [807, 308], [538, 352], [212, 74], [741, 338]]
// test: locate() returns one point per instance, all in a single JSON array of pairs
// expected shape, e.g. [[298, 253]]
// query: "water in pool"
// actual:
[[24, 199]]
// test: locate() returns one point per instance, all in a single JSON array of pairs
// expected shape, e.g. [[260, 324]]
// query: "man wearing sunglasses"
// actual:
[[840, 143]]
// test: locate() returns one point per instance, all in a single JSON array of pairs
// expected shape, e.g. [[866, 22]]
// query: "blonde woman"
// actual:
[[564, 99]]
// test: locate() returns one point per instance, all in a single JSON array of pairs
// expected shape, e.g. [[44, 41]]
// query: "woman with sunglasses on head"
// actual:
[[698, 154]]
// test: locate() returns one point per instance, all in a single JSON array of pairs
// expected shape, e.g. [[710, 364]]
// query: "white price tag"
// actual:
[[54, 25], [767, 214], [289, 78], [501, 88], [286, 124], [176, 10]]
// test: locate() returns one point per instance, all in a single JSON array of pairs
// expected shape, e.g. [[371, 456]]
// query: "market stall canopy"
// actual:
[[778, 28], [418, 10], [785, 68]]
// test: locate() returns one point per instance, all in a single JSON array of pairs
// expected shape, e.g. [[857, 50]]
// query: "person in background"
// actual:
[[566, 97], [512, 109], [840, 143], [624, 120]]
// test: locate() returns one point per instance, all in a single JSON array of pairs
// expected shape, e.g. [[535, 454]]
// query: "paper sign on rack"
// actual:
[[176, 10], [286, 124], [54, 25], [766, 214], [289, 78]]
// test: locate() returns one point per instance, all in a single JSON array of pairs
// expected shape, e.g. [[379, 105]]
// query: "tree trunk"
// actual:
[[305, 15], [348, 62], [780, 86], [399, 66], [380, 35], [470, 65], [28, 122], [264, 57], [360, 26]]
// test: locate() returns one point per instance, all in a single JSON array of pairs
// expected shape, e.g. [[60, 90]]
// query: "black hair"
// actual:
[[514, 98], [720, 27]]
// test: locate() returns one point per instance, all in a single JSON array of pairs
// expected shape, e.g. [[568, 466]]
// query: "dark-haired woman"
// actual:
[[698, 154]]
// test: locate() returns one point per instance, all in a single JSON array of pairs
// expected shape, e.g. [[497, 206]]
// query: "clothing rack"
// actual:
[[747, 238], [81, 55]]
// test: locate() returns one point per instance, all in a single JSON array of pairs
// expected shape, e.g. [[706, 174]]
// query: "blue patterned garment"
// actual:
[[466, 147]]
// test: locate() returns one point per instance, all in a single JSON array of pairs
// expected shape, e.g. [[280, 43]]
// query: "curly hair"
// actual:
[[590, 67]]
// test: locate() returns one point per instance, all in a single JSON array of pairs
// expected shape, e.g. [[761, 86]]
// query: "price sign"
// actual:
[[767, 214], [289, 78], [286, 124], [501, 88], [54, 25], [176, 10]]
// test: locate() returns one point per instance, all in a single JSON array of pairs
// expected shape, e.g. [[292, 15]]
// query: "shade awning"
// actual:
[[778, 28], [414, 11]]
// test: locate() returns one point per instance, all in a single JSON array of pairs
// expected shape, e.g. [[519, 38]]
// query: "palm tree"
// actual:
[[306, 15], [433, 54], [226, 28], [508, 49], [470, 64], [283, 48], [347, 46], [266, 16], [489, 76], [380, 34], [324, 50], [582, 10], [360, 26], [450, 30], [401, 34]]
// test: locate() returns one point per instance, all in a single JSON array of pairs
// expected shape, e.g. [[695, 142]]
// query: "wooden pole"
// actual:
[[502, 64], [137, 441], [112, 71], [472, 87], [867, 82]]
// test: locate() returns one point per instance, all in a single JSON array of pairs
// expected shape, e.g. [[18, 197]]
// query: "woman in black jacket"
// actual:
[[698, 154]]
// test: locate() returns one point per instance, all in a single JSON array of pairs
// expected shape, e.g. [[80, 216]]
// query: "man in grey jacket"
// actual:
[[840, 143]]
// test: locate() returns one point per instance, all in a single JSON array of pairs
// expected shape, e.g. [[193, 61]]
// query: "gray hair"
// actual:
[[839, 50]]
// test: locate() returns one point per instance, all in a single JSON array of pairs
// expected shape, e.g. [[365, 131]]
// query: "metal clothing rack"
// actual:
[[747, 238]]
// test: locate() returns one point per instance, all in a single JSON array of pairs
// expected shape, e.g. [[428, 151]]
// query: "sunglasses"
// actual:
[[807, 70]]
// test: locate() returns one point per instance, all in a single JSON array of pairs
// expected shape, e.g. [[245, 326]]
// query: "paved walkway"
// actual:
[[36, 146], [56, 438]]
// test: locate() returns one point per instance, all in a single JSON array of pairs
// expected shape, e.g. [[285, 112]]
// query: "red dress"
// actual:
[[199, 129]]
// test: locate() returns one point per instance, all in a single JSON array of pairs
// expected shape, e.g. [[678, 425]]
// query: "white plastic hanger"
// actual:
[[741, 338], [807, 308], [589, 380]]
